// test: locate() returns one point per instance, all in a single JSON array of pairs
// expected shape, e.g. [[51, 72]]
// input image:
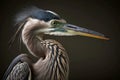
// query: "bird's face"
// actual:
[[62, 28], [50, 23]]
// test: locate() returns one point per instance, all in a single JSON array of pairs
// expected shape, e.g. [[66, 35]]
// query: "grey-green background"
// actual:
[[90, 59]]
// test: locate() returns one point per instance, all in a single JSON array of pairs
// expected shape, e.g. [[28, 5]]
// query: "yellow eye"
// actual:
[[56, 23]]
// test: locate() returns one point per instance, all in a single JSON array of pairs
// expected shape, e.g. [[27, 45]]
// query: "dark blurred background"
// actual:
[[90, 59]]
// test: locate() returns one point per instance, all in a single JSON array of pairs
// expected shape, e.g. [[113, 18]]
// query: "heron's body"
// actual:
[[52, 60], [55, 56]]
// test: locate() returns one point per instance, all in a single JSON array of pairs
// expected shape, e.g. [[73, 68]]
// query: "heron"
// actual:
[[52, 59]]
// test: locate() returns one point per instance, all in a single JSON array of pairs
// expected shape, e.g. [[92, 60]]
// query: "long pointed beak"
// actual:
[[75, 30]]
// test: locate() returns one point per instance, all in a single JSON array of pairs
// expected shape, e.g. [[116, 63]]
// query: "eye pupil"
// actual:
[[54, 22]]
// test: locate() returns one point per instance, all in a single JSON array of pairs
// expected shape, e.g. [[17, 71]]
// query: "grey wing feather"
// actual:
[[17, 69], [19, 72]]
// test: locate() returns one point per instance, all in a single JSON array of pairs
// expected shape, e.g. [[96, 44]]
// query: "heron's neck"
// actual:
[[32, 43], [53, 59]]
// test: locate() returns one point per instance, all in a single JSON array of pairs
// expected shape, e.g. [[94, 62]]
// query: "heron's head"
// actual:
[[42, 22]]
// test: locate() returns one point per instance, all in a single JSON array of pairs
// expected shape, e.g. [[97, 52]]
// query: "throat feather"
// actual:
[[56, 63]]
